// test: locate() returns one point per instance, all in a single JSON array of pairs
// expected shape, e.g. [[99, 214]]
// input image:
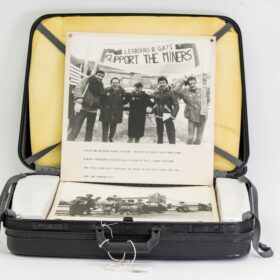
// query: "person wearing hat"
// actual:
[[138, 101], [165, 109], [112, 101]]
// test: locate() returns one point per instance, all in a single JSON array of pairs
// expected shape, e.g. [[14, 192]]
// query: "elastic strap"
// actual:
[[236, 161], [253, 195], [51, 37], [40, 154], [260, 248], [219, 34], [263, 250], [6, 188], [4, 198]]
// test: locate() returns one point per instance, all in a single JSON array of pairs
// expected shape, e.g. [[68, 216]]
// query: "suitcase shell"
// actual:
[[88, 239]]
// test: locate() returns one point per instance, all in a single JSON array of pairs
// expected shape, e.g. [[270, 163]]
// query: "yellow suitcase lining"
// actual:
[[46, 79]]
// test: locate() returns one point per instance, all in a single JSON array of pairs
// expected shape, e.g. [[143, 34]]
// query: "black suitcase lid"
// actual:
[[29, 157]]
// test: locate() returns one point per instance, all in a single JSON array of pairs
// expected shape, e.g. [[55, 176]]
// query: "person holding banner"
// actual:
[[86, 103], [196, 109], [139, 102], [112, 101], [165, 109]]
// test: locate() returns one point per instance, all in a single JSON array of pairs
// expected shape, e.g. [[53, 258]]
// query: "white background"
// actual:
[[260, 25]]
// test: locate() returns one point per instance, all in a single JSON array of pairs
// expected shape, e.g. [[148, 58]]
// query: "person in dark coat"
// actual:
[[71, 103], [138, 102], [87, 96], [112, 101], [165, 109]]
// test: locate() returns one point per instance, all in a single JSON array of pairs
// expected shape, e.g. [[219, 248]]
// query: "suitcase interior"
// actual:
[[41, 127]]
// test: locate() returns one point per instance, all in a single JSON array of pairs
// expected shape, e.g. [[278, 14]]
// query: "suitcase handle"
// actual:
[[126, 247]]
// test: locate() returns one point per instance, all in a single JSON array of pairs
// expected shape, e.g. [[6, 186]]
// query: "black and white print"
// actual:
[[81, 201], [139, 105], [138, 92]]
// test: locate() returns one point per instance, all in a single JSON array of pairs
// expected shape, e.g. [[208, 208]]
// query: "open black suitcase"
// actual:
[[86, 239]]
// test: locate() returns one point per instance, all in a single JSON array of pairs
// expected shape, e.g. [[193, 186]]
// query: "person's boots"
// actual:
[[130, 140], [189, 141], [137, 140], [160, 141], [197, 141], [104, 136]]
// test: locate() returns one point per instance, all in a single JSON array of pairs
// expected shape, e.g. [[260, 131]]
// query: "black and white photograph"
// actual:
[[126, 95], [148, 92], [85, 201]]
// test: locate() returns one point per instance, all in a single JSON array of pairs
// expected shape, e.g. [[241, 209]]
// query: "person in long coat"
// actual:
[[112, 101], [138, 102]]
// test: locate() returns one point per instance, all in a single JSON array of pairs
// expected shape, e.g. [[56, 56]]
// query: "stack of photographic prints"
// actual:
[[138, 110]]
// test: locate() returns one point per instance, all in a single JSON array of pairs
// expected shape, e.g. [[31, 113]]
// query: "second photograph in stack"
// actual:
[[86, 201]]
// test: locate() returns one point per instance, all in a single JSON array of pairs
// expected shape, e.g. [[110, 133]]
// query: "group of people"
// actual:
[[91, 96], [82, 205]]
